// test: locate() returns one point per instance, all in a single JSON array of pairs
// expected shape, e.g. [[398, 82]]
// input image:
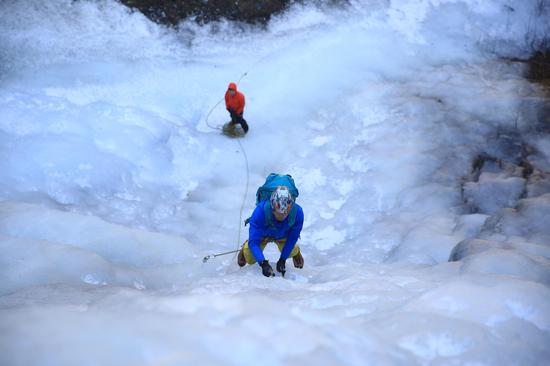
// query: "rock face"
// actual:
[[507, 194], [499, 177], [539, 67], [171, 12]]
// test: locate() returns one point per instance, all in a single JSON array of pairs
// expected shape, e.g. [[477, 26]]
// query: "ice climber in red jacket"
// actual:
[[234, 103]]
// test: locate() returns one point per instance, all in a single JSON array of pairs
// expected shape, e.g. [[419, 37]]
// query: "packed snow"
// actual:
[[426, 237]]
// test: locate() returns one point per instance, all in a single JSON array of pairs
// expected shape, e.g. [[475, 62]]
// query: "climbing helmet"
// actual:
[[281, 200]]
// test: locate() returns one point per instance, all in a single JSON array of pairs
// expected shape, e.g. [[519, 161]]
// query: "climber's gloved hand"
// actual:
[[281, 266], [266, 269]]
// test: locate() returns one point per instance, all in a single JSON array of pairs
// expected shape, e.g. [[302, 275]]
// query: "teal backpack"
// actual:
[[263, 193]]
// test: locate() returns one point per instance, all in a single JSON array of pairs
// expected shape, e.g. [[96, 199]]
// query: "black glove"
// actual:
[[266, 269], [281, 266]]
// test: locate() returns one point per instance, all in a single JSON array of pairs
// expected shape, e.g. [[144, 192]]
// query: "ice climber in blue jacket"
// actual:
[[277, 220]]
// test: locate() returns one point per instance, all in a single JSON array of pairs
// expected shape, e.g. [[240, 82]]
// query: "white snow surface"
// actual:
[[113, 186]]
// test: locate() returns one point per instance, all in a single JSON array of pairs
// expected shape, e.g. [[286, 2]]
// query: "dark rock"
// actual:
[[536, 110], [492, 192], [539, 67], [502, 174], [171, 12]]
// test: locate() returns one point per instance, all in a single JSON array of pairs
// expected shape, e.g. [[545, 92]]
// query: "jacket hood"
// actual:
[[232, 86]]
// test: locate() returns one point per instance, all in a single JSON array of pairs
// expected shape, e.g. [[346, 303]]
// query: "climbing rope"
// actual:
[[245, 190], [219, 127], [208, 116]]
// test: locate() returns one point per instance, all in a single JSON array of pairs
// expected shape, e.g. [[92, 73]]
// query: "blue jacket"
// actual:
[[280, 230]]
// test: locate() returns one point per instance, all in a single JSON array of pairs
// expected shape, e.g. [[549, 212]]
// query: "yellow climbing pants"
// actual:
[[280, 244]]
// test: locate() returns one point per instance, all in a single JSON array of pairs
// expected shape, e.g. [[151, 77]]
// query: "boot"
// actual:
[[244, 125], [298, 260], [241, 260]]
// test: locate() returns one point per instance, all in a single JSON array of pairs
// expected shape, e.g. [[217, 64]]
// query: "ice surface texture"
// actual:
[[113, 188]]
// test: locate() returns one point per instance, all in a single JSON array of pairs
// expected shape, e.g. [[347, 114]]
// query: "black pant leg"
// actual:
[[234, 117], [243, 123]]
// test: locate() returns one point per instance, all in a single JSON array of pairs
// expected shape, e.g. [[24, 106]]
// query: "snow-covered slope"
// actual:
[[113, 186]]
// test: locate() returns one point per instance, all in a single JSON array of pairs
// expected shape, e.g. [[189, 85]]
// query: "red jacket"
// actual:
[[235, 102]]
